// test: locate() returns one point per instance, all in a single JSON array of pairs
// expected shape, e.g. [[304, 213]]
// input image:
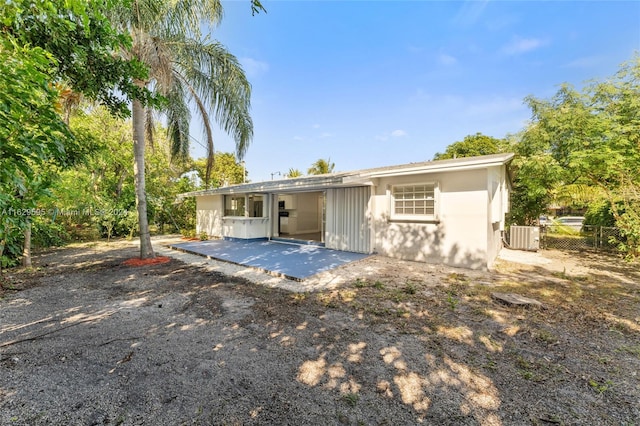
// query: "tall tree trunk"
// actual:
[[26, 252], [138, 116]]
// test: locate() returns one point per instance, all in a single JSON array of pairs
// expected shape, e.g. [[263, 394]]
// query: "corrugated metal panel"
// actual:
[[524, 238], [347, 226]]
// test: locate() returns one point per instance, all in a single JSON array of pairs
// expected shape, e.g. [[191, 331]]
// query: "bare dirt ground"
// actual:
[[87, 340]]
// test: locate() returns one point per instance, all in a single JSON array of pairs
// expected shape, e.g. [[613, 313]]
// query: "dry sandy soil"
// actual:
[[87, 340]]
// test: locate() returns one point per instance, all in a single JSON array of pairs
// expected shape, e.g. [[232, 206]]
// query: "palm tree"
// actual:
[[321, 167], [293, 173], [185, 69]]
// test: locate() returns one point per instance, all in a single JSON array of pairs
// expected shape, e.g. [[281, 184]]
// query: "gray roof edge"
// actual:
[[293, 184], [440, 165], [336, 179]]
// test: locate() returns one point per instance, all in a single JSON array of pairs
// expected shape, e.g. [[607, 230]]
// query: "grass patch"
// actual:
[[360, 283], [600, 387], [546, 337], [410, 288], [526, 369], [328, 300], [452, 301], [402, 313], [347, 295], [299, 297], [351, 399], [456, 277], [398, 296], [630, 349]]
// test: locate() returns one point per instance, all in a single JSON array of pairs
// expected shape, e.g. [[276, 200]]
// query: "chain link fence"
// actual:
[[598, 238]]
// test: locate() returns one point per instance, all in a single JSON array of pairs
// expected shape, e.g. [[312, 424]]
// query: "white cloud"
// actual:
[[420, 96], [325, 135], [399, 133], [316, 126], [522, 45], [470, 12], [298, 138], [445, 59], [253, 67], [585, 62]]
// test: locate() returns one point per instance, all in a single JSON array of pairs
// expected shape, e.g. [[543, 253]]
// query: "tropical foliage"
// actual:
[[591, 139], [474, 145], [97, 197], [226, 170], [55, 52], [321, 167], [43, 43], [186, 69], [80, 41], [581, 149], [294, 173]]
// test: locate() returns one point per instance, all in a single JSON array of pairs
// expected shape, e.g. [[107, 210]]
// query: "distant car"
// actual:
[[573, 222], [544, 220]]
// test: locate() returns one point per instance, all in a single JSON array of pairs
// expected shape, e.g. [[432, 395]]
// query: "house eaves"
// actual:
[[359, 177], [366, 177], [306, 183]]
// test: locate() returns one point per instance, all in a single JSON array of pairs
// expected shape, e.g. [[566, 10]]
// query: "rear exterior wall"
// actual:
[[458, 237], [209, 212]]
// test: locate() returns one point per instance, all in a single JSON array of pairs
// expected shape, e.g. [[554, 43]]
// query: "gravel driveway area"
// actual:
[[87, 340]]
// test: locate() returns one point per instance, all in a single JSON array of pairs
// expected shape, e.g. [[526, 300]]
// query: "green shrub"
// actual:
[[599, 214], [45, 233]]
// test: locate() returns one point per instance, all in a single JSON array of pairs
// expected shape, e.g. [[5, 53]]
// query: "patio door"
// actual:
[[348, 219], [299, 216]]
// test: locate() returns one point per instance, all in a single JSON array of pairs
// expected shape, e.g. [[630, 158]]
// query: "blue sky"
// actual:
[[378, 83]]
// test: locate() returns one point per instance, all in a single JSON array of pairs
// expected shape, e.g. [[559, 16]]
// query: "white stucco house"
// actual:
[[447, 211]]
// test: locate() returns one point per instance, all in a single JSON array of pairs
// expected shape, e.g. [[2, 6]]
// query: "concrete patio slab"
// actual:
[[292, 261]]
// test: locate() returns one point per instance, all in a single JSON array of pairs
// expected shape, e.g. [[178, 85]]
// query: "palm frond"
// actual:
[[575, 194], [218, 78], [186, 16], [143, 15], [178, 118], [156, 53], [208, 132], [186, 68]]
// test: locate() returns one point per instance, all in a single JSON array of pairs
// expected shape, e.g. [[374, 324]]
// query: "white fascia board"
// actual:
[[436, 168], [355, 178], [289, 185]]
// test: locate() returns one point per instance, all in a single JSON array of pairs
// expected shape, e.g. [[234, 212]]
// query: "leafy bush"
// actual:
[[11, 248], [599, 214], [188, 233], [45, 233]]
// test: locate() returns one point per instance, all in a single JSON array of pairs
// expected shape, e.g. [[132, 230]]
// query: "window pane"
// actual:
[[256, 206], [234, 205], [414, 200]]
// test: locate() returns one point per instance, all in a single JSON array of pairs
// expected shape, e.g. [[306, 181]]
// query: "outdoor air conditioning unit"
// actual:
[[524, 238]]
